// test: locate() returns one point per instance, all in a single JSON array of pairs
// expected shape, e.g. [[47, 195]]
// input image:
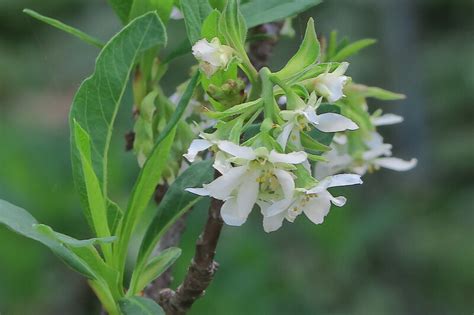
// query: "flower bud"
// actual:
[[330, 85], [212, 56]]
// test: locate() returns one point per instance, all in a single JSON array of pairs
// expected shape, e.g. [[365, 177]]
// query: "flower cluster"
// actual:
[[282, 157]]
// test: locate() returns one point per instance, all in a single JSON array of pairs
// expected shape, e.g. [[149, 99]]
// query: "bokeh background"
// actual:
[[404, 243]]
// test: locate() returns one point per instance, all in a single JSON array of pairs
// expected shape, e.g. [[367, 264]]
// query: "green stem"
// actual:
[[267, 93]]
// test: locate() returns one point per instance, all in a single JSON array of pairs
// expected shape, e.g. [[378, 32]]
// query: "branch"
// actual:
[[200, 272]]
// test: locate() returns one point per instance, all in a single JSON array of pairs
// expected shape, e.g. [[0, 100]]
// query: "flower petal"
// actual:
[[290, 158], [223, 186], [341, 69], [248, 193], [197, 145], [273, 223], [286, 182], [344, 180], [220, 163], [285, 134], [396, 164], [230, 213], [317, 208], [310, 114], [332, 122], [246, 153], [198, 191], [387, 119]]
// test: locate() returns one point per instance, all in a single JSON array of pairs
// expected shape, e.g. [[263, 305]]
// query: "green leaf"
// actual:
[[210, 26], [121, 8], [311, 144], [233, 27], [162, 7], [218, 4], [151, 172], [114, 216], [375, 92], [312, 72], [257, 12], [237, 109], [105, 276], [175, 202], [156, 267], [66, 28], [137, 305], [352, 49], [195, 12], [21, 222], [306, 55], [96, 201], [97, 101]]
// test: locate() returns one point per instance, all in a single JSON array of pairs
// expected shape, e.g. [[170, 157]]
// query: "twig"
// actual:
[[200, 272]]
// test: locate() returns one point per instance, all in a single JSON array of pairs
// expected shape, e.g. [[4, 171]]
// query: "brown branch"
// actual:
[[200, 272]]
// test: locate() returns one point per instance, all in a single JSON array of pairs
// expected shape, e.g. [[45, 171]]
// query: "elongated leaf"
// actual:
[[306, 55], [96, 200], [370, 91], [175, 202], [137, 305], [151, 172], [121, 8], [195, 12], [156, 267], [66, 28], [114, 216], [352, 49], [232, 25], [237, 109], [97, 101], [263, 11], [88, 253], [21, 222]]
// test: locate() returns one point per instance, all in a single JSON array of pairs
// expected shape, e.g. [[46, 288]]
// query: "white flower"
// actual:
[[176, 14], [314, 202], [377, 155], [299, 120], [330, 85], [212, 56], [258, 175], [208, 140], [386, 119]]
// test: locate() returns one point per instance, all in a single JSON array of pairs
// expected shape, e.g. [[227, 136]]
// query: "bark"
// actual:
[[200, 272]]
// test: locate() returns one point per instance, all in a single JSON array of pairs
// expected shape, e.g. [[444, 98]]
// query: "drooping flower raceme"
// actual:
[[301, 118], [314, 202], [330, 84], [272, 119], [212, 56], [258, 174]]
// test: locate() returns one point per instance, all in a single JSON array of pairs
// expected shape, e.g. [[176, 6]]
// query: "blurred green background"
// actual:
[[404, 243]]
